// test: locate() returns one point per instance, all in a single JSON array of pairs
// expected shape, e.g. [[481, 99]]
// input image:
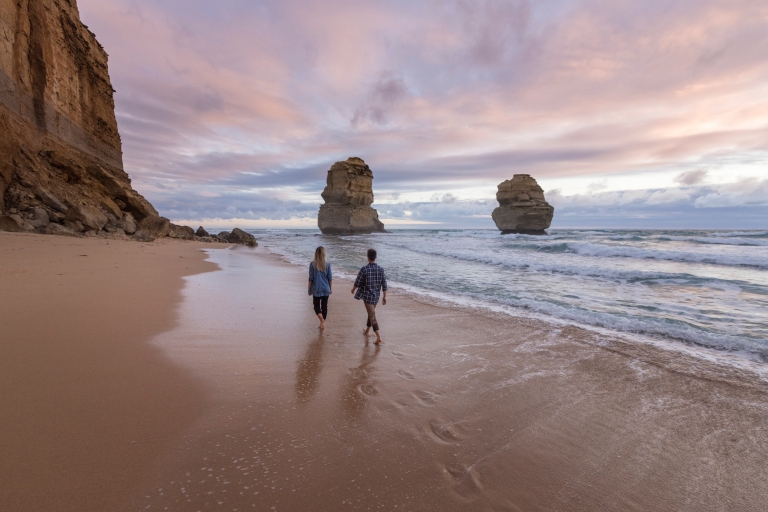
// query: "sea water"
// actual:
[[705, 288]]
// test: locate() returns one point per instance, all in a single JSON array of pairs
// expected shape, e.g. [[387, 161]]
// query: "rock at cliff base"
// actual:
[[157, 227], [39, 218], [142, 236], [201, 232], [348, 196], [182, 232], [238, 236], [89, 216], [522, 207], [11, 223], [58, 229], [127, 224]]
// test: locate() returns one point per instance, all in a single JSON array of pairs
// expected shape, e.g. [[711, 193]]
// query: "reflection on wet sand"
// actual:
[[491, 414], [308, 371], [359, 386]]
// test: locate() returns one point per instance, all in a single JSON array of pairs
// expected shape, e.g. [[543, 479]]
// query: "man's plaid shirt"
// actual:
[[369, 281]]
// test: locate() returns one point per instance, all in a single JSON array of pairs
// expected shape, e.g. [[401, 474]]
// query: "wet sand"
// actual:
[[86, 403], [459, 410]]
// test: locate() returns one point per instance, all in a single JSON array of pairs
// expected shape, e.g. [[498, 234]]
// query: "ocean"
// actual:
[[700, 288]]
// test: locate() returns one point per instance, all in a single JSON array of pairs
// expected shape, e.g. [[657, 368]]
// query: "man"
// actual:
[[370, 281]]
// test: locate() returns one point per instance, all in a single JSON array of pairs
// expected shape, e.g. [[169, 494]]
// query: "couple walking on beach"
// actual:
[[368, 286]]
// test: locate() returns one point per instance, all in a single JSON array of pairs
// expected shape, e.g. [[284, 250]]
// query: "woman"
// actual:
[[320, 284]]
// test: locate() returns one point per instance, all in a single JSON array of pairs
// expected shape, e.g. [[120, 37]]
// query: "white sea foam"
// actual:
[[685, 286]]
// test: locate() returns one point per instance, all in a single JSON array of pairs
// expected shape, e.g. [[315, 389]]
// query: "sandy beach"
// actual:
[[217, 391], [85, 402]]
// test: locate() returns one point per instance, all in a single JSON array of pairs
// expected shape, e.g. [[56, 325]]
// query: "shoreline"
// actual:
[[86, 402], [225, 394], [457, 411], [622, 341]]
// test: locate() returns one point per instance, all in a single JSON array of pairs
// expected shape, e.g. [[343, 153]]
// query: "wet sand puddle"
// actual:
[[456, 411]]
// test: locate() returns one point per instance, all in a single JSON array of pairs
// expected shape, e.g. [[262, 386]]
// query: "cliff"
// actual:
[[348, 196], [522, 207], [60, 150]]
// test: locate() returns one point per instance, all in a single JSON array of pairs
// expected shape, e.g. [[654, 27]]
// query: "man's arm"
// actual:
[[359, 281], [384, 288]]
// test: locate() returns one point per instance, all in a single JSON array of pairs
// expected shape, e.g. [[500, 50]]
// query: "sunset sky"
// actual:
[[628, 113]]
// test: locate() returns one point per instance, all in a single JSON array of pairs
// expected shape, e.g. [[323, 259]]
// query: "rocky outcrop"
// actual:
[[60, 150], [348, 197], [522, 207], [238, 236]]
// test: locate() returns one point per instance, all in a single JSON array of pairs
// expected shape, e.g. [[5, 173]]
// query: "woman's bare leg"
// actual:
[[322, 321]]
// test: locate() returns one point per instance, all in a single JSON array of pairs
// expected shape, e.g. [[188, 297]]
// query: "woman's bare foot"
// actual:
[[378, 341], [322, 326], [367, 331]]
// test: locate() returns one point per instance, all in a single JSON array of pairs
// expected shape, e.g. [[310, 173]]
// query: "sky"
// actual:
[[629, 114]]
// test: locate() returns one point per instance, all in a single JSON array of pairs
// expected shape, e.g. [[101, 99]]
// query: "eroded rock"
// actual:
[[348, 196], [58, 229], [89, 216], [127, 224], [238, 236], [522, 207], [59, 141], [183, 232], [157, 227], [201, 232]]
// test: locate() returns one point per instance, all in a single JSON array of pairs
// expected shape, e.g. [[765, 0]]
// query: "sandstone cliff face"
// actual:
[[348, 197], [522, 207], [60, 149]]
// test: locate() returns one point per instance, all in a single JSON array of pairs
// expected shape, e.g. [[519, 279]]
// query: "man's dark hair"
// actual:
[[372, 254]]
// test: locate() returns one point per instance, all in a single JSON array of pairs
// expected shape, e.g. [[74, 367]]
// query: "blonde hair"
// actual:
[[319, 261]]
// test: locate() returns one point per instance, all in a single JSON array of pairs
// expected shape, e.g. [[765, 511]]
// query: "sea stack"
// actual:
[[61, 165], [348, 197], [522, 207]]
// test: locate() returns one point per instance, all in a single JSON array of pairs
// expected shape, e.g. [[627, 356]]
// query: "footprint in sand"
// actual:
[[398, 355], [425, 397], [465, 480], [406, 375], [445, 432]]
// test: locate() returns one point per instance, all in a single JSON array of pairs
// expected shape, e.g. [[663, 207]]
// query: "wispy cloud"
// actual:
[[248, 101]]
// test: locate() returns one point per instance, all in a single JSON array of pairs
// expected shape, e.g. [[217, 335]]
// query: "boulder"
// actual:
[[39, 218], [89, 216], [223, 236], [127, 224], [76, 226], [522, 207], [12, 223], [50, 200], [201, 232], [143, 236], [109, 206], [348, 196], [238, 236], [157, 227], [183, 232], [57, 229]]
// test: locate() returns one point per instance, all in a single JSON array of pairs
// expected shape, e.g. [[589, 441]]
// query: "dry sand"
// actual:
[[459, 410], [86, 404]]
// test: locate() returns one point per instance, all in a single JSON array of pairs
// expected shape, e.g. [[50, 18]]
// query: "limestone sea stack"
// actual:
[[348, 197], [522, 207], [60, 150]]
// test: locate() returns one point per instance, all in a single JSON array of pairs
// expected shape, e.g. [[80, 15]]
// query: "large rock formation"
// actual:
[[522, 207], [60, 151], [348, 197]]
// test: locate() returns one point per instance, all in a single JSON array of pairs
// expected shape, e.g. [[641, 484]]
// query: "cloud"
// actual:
[[260, 98], [691, 177]]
